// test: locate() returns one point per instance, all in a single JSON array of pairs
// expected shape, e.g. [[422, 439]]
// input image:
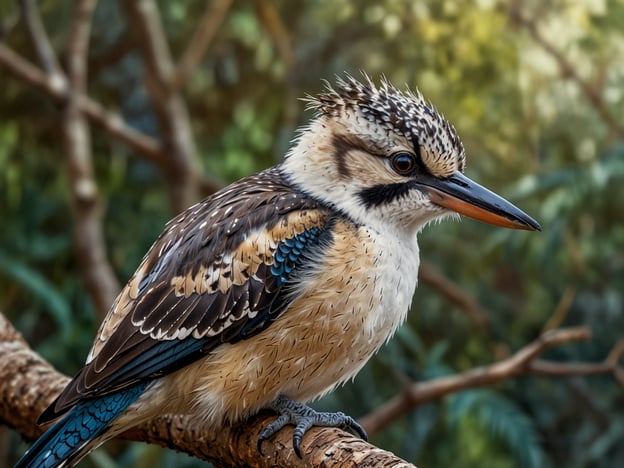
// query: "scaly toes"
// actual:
[[272, 429], [304, 418]]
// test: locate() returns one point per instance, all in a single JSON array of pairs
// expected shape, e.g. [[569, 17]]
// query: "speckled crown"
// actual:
[[406, 112]]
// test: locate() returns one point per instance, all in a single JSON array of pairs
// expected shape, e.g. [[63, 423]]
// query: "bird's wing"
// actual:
[[218, 273]]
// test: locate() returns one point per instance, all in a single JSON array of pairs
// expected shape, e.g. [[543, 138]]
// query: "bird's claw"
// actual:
[[303, 418]]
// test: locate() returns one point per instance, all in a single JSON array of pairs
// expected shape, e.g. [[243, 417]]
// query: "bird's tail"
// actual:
[[72, 437]]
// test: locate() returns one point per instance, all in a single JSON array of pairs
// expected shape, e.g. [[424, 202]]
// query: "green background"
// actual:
[[539, 104]]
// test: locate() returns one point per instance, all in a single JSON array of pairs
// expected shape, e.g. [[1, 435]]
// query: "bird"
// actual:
[[276, 289]]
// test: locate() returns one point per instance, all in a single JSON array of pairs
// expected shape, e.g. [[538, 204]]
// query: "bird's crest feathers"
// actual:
[[406, 112]]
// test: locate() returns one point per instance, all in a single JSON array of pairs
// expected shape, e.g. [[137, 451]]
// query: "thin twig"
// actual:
[[205, 32], [430, 275], [39, 38], [523, 362], [561, 310], [592, 93], [182, 168], [268, 15]]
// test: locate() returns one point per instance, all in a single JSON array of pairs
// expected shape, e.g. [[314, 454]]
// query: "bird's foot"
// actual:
[[303, 418]]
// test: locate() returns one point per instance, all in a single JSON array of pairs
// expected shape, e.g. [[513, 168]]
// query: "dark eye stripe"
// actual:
[[384, 193]]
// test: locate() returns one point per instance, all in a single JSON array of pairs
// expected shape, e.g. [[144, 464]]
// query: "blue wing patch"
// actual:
[[290, 252]]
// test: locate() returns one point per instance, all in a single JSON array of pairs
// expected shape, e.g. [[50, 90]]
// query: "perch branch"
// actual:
[[28, 384]]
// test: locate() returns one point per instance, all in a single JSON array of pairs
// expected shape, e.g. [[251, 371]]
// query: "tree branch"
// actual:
[[110, 122], [86, 205], [95, 268], [430, 275], [58, 91], [28, 384], [206, 30], [39, 38], [592, 93], [169, 108], [523, 362]]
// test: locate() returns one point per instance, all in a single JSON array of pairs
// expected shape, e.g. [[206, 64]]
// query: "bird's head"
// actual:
[[388, 158]]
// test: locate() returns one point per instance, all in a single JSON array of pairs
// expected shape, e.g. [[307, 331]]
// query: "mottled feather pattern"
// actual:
[[204, 281]]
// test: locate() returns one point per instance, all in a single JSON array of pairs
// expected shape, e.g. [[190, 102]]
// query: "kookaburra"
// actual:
[[281, 286]]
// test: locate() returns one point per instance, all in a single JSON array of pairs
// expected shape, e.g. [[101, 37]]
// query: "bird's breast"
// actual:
[[350, 306]]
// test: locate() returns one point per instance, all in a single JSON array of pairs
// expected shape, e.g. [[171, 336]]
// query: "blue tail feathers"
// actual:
[[68, 437]]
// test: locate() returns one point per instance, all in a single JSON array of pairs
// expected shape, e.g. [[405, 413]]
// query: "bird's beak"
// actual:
[[460, 194]]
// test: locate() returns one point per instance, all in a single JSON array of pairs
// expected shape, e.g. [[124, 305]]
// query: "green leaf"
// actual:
[[502, 419], [40, 288]]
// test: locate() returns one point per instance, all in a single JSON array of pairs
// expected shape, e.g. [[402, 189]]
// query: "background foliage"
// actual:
[[534, 88]]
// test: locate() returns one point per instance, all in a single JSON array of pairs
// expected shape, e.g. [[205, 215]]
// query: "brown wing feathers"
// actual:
[[205, 280]]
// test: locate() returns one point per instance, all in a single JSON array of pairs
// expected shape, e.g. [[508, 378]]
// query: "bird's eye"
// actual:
[[403, 162]]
